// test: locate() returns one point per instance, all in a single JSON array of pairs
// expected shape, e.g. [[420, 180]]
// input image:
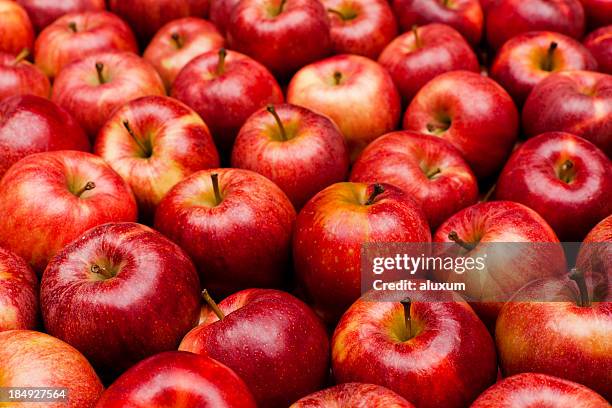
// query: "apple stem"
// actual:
[[215, 182], [453, 236], [72, 26], [100, 270], [99, 69], [22, 55], [548, 62], [487, 196], [377, 190], [407, 303], [337, 77], [90, 185], [283, 132], [564, 173], [178, 40], [281, 6], [343, 17], [577, 276], [221, 63], [433, 173], [212, 304], [417, 39], [126, 125]]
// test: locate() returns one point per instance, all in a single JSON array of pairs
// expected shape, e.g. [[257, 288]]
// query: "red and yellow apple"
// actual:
[[18, 293]]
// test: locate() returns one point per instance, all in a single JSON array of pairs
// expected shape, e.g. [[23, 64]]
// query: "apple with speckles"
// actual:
[[20, 77], [354, 395], [18, 293]]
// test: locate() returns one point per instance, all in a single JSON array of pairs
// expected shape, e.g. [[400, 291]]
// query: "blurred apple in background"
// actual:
[[18, 293], [353, 395], [221, 13], [44, 12], [19, 77], [598, 12], [599, 43], [16, 32]]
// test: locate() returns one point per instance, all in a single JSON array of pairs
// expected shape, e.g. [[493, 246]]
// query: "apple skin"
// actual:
[[598, 12], [221, 13], [521, 63], [20, 77], [363, 102], [40, 192], [94, 31], [472, 112], [314, 156], [532, 389], [177, 143], [441, 49], [405, 159], [533, 176], [244, 241], [283, 40], [271, 339], [597, 247], [169, 55], [599, 43], [142, 300], [365, 27], [34, 359], [463, 15], [126, 77], [44, 12], [509, 18], [18, 293], [177, 378], [447, 362], [354, 395], [16, 31], [226, 100]]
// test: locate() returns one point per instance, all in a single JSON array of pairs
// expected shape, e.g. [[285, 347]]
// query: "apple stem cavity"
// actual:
[[221, 62], [146, 152], [343, 16], [407, 304], [90, 185], [417, 39], [279, 122], [453, 236], [376, 191], [337, 77], [565, 173], [22, 55], [215, 182], [72, 26], [178, 40], [548, 61], [99, 69], [213, 305], [577, 276]]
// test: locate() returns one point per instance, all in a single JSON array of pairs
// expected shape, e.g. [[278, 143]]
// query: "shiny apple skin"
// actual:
[[531, 177], [449, 361], [179, 140], [18, 293], [298, 35], [21, 78], [404, 158], [78, 90], [598, 12], [34, 359], [31, 124], [197, 36], [221, 13], [599, 43], [227, 100], [313, 158], [519, 64], [39, 193], [596, 248], [271, 339], [245, 241], [483, 119], [367, 33], [44, 12], [364, 105], [442, 49], [96, 31], [16, 31], [353, 395], [465, 16], [509, 18], [532, 389]]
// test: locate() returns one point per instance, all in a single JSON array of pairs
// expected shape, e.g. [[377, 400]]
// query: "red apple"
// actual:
[[598, 12], [565, 178], [44, 12], [431, 350], [153, 143], [525, 60], [472, 112], [18, 293], [16, 32], [299, 150], [235, 224], [599, 43], [463, 15], [424, 166], [225, 88], [361, 27], [20, 77], [93, 87], [531, 389], [353, 395], [284, 35], [126, 284], [77, 35], [221, 13], [355, 92], [272, 340], [178, 42], [31, 124], [416, 57], [54, 197], [596, 252], [175, 377]]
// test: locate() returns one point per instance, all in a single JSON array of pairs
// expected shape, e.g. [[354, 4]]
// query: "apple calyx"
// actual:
[[100, 270], [566, 172], [347, 16], [548, 61], [90, 185], [212, 304], [99, 69], [577, 276], [337, 77], [417, 39], [453, 236], [146, 152], [215, 182], [177, 40], [72, 26], [21, 56], [221, 63], [376, 191], [283, 132], [407, 304]]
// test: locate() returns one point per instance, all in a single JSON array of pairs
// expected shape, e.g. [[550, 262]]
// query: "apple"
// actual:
[[174, 377], [53, 197], [463, 15], [428, 347], [225, 88], [596, 252], [509, 18], [598, 12], [153, 143], [16, 32], [528, 58], [355, 92], [271, 339], [235, 224], [93, 87], [424, 166], [18, 293], [532, 389], [31, 124], [44, 12], [472, 112], [19, 77], [361, 27], [414, 58], [77, 35], [221, 13], [563, 177], [124, 283], [299, 150], [353, 395], [178, 42], [599, 43]]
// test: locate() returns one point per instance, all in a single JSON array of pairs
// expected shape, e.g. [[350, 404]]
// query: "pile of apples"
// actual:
[[158, 154]]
